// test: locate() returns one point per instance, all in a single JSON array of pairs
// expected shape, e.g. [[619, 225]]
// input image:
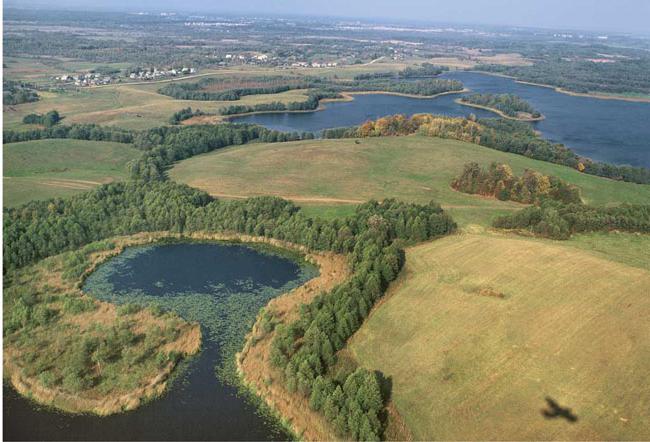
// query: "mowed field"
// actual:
[[479, 330], [328, 177], [58, 168]]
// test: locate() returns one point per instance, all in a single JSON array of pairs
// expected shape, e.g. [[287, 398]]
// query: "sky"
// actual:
[[608, 15]]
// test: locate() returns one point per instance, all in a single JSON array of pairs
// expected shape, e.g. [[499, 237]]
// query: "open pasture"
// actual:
[[42, 169], [326, 173], [480, 330]]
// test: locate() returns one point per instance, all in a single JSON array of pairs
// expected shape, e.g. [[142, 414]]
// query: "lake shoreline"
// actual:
[[497, 111], [596, 95], [188, 343], [345, 97], [254, 366]]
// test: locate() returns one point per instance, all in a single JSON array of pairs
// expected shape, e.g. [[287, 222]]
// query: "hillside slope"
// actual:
[[326, 173]]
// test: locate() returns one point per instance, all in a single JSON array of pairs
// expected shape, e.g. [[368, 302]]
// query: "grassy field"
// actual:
[[480, 329], [128, 106], [57, 168], [327, 175]]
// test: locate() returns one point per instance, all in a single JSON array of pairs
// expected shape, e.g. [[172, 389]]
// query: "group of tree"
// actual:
[[185, 114], [423, 70], [18, 92], [619, 76], [496, 133], [311, 103], [92, 132], [553, 219], [510, 104], [165, 145], [425, 87], [48, 119], [201, 90], [499, 181]]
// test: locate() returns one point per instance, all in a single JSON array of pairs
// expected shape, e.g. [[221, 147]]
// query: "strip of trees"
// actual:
[[311, 103], [92, 132], [510, 104], [499, 181], [618, 77], [555, 220], [165, 145], [496, 133], [425, 87], [185, 114], [423, 70], [234, 90]]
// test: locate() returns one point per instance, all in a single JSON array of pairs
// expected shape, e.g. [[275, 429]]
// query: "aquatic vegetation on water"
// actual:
[[226, 310]]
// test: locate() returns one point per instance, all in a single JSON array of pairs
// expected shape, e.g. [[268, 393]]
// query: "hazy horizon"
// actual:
[[625, 16]]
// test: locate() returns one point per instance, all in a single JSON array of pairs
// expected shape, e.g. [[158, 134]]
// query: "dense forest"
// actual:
[[425, 87], [500, 134], [559, 221], [618, 76], [509, 104], [306, 349], [499, 181], [18, 92]]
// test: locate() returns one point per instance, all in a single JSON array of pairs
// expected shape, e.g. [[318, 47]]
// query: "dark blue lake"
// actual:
[[222, 286], [613, 131]]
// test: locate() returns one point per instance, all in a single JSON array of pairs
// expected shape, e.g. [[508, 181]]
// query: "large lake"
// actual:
[[222, 286], [613, 131]]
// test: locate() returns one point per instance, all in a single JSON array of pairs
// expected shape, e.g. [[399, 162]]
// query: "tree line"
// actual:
[[496, 133], [263, 85], [556, 220], [425, 87], [185, 114], [311, 103], [499, 181], [423, 70], [509, 104], [92, 132], [165, 145], [617, 77]]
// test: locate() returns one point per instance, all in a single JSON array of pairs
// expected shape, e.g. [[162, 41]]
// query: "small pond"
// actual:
[[220, 285]]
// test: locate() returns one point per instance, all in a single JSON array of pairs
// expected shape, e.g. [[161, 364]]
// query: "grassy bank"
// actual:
[[42, 169]]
